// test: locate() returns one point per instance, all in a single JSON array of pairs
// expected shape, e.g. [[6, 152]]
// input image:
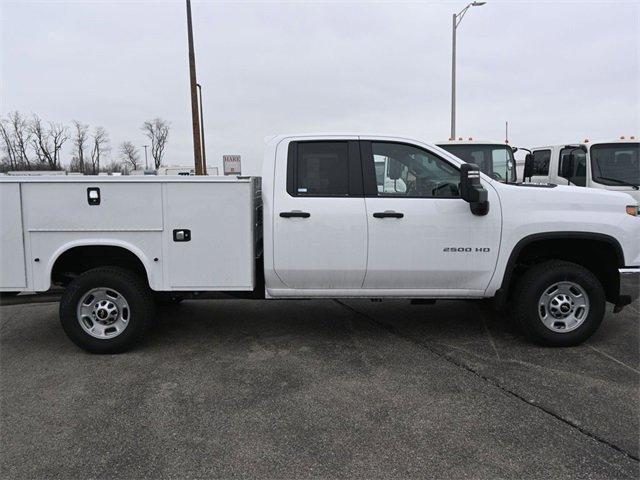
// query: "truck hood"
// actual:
[[635, 194], [567, 198], [599, 193]]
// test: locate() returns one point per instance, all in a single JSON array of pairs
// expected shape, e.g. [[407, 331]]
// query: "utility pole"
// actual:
[[197, 150], [146, 161], [204, 150], [453, 79]]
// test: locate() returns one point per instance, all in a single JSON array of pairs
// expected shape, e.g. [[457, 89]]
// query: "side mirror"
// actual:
[[567, 167], [395, 169], [472, 191], [528, 166]]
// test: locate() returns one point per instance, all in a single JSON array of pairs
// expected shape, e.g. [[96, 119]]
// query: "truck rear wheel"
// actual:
[[106, 310], [558, 304]]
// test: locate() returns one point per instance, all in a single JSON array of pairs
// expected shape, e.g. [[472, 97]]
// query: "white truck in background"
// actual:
[[494, 158], [321, 222], [610, 165]]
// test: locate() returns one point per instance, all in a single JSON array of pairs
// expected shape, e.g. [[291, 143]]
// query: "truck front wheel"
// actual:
[[558, 304], [106, 310]]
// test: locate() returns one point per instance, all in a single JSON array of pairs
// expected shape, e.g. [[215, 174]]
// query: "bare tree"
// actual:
[[47, 142], [16, 136], [9, 158], [22, 137], [40, 141], [130, 155], [157, 130], [80, 137], [100, 148], [59, 135]]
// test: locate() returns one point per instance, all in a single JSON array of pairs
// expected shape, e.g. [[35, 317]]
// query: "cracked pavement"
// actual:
[[319, 389]]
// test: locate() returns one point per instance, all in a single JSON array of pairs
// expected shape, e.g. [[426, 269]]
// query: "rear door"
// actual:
[[319, 222]]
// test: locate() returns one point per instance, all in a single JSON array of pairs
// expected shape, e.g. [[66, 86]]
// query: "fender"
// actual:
[[153, 275], [502, 292]]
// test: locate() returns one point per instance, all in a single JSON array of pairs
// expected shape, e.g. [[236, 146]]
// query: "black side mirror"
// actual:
[[472, 191], [567, 166], [395, 169], [528, 166]]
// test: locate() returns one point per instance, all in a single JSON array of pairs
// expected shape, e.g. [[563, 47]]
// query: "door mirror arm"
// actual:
[[471, 189]]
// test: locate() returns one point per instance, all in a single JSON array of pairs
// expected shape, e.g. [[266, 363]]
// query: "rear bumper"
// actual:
[[629, 286]]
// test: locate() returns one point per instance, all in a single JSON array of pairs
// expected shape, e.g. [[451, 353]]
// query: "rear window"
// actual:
[[321, 169]]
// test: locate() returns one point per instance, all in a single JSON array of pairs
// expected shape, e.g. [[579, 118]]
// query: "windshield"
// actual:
[[616, 163], [494, 160]]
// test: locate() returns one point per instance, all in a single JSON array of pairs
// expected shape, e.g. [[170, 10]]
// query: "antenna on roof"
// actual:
[[506, 131]]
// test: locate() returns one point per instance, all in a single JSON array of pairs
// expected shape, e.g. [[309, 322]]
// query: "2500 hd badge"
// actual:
[[466, 249]]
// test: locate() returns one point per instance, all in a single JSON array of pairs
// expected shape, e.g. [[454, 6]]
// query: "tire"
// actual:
[[547, 292], [112, 303]]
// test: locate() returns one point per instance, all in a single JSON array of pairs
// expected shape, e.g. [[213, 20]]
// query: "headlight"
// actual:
[[633, 210]]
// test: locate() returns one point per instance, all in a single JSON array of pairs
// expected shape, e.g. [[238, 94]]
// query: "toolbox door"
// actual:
[[12, 265]]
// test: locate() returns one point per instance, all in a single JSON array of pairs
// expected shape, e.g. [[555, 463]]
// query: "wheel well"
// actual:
[[600, 256], [78, 260]]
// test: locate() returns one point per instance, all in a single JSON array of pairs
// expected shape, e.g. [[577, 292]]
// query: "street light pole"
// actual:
[[204, 150], [456, 19], [146, 161]]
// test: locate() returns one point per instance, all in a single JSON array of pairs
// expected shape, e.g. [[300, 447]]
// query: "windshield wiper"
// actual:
[[619, 182]]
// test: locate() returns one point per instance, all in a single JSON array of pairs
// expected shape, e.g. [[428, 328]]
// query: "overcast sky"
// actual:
[[558, 71]]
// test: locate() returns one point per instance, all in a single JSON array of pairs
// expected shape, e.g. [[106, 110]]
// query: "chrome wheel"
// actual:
[[563, 307], [103, 313]]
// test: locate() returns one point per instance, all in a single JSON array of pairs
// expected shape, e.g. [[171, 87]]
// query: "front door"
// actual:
[[320, 224], [422, 235]]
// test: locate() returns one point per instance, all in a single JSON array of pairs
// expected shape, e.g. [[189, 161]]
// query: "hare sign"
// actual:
[[231, 164]]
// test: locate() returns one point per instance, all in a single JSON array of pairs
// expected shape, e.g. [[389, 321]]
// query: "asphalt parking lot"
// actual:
[[322, 389]]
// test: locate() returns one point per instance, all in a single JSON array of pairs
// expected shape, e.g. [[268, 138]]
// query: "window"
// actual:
[[541, 160], [579, 173], [319, 169], [407, 171], [616, 163], [494, 160]]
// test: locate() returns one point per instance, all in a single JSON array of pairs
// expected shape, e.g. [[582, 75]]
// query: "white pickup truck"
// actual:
[[321, 222]]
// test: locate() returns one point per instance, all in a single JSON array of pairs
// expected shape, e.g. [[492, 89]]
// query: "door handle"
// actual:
[[388, 214], [295, 214], [182, 235]]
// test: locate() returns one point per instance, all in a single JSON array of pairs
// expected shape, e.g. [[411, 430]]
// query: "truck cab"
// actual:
[[494, 158], [610, 165]]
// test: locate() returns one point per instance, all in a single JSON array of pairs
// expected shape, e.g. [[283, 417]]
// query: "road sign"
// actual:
[[231, 164]]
